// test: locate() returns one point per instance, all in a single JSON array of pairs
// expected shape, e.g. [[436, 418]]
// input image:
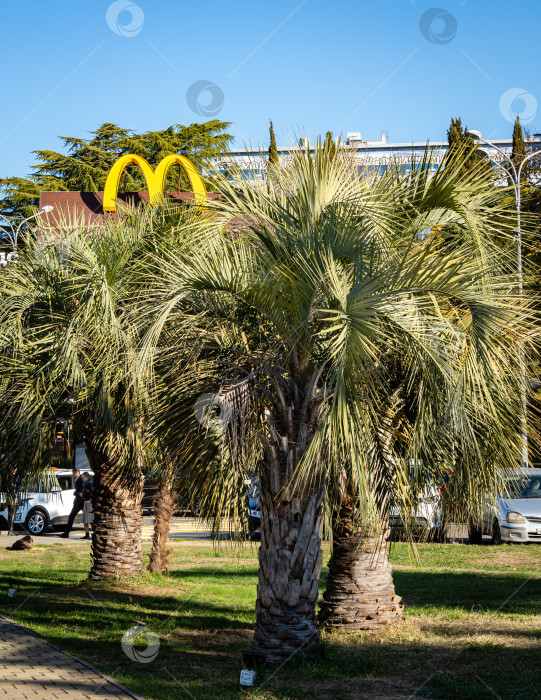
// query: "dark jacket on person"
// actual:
[[78, 500], [88, 490]]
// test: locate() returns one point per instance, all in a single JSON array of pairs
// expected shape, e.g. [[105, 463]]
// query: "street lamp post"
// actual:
[[14, 236], [44, 210], [514, 175]]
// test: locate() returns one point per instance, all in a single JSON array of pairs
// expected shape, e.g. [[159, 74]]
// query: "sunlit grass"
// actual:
[[467, 608]]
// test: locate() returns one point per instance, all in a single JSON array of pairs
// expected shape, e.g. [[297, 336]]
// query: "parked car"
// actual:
[[426, 521], [47, 502], [150, 493], [516, 514]]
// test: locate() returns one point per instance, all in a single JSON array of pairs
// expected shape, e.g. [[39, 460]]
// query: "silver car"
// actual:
[[516, 515]]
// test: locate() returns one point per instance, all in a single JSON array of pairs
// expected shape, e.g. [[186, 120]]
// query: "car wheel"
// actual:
[[496, 533], [475, 535], [37, 521]]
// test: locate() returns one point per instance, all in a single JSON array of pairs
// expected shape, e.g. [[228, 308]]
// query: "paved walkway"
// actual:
[[32, 668]]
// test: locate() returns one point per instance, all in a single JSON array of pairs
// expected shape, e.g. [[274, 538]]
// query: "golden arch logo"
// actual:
[[155, 179]]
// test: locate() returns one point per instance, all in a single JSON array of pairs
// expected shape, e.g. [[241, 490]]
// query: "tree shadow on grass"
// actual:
[[84, 607], [207, 665], [389, 670], [201, 640]]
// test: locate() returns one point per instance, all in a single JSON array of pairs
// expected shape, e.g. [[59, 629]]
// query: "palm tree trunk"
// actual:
[[360, 591], [116, 537], [163, 512], [290, 555], [11, 500], [290, 560]]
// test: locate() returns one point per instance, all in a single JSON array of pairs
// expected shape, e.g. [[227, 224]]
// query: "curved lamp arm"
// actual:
[[525, 160], [45, 210], [13, 236], [476, 136]]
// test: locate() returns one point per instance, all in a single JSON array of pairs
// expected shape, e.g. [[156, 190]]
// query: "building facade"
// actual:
[[252, 162]]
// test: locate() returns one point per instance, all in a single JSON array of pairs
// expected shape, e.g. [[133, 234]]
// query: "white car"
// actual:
[[425, 522], [48, 501], [516, 515]]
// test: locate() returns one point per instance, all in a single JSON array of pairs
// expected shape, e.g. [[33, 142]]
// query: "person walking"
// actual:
[[78, 501], [88, 512]]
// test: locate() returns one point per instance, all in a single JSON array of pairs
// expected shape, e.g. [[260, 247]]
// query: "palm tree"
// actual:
[[360, 592], [331, 273], [68, 333], [475, 440], [70, 325]]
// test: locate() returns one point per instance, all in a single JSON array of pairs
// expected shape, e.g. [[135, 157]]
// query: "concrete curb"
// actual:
[[109, 679]]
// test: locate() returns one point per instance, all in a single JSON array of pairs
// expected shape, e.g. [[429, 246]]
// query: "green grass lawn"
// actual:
[[472, 626]]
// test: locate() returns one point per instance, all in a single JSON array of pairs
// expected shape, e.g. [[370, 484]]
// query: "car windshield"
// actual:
[[526, 486]]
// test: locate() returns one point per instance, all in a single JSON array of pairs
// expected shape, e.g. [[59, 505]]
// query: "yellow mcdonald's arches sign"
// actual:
[[155, 179]]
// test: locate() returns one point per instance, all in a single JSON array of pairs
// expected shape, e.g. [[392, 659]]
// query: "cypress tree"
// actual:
[[459, 141], [455, 133], [329, 144], [519, 149], [273, 150]]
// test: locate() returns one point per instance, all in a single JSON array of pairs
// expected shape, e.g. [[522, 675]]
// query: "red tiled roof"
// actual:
[[87, 207]]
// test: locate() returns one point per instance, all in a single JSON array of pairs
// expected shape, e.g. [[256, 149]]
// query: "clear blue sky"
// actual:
[[311, 66]]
